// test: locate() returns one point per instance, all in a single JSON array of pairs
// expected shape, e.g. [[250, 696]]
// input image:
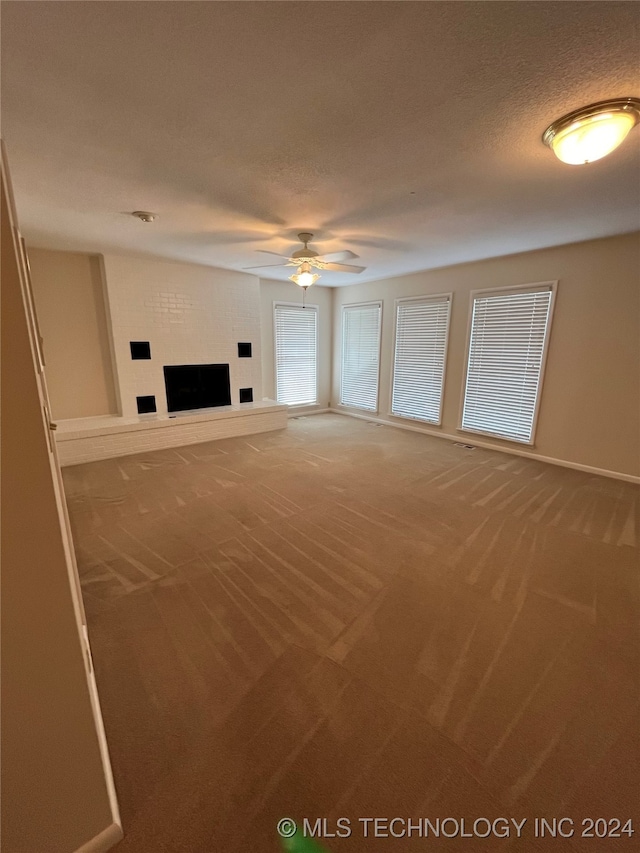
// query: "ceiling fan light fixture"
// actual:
[[592, 132], [306, 261], [304, 277]]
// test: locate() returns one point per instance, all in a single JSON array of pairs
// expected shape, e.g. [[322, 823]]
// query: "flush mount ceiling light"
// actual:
[[592, 132]]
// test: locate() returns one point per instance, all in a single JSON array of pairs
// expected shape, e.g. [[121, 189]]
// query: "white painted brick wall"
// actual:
[[75, 451], [190, 314]]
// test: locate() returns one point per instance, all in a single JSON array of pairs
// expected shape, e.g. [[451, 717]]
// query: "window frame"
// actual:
[[397, 302], [316, 308], [532, 287], [346, 306]]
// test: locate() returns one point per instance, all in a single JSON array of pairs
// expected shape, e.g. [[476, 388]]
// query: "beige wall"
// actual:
[[68, 292], [590, 405], [54, 793], [284, 291]]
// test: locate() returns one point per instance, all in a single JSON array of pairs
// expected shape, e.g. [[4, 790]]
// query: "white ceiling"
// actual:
[[408, 132]]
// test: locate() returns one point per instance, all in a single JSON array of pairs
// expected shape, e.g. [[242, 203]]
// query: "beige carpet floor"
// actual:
[[351, 620]]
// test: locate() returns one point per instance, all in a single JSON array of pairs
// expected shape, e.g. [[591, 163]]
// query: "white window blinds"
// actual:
[[418, 368], [509, 333], [296, 348], [360, 355]]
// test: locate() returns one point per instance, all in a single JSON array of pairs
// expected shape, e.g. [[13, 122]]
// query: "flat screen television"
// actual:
[[197, 386]]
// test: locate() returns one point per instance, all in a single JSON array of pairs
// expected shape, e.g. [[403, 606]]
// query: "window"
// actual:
[[296, 333], [507, 347], [422, 326], [360, 355]]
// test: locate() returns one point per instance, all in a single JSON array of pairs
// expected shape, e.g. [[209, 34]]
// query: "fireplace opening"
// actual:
[[197, 386]]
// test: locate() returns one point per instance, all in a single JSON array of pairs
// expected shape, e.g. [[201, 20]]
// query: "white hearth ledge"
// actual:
[[82, 440]]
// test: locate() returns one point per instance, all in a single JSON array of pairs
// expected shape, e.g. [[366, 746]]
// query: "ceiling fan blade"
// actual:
[[265, 266], [344, 268], [337, 257]]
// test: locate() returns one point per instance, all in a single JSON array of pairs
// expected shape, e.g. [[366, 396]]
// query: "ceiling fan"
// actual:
[[306, 260]]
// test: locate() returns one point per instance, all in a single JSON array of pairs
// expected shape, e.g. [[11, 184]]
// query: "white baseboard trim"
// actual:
[[303, 411], [467, 438], [104, 841]]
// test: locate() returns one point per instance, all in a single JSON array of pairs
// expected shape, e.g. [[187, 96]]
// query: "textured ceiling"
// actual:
[[408, 132]]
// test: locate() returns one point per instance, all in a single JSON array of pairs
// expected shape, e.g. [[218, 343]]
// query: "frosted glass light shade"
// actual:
[[593, 132], [304, 277]]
